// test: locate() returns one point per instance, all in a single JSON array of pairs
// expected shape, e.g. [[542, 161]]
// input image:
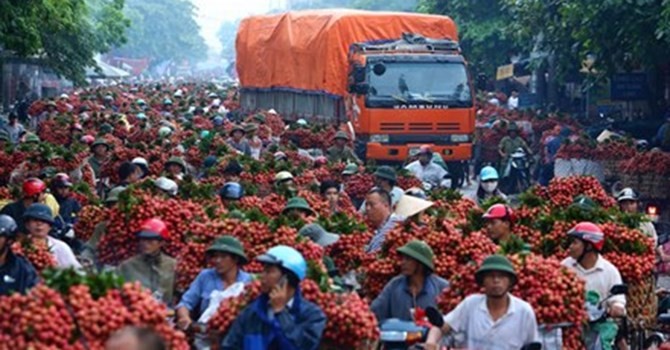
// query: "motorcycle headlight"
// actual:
[[379, 138], [460, 138]]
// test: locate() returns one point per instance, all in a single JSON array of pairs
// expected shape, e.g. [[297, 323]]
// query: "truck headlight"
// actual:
[[380, 138], [460, 138]]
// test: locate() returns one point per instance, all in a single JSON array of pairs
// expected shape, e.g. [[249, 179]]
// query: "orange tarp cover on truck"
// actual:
[[308, 50]]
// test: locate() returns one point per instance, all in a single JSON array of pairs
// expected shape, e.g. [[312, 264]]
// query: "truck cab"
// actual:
[[407, 93]]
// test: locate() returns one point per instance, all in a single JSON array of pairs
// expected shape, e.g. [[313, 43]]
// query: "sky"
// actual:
[[211, 13]]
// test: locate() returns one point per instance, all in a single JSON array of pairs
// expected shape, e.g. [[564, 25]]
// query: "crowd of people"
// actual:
[[47, 210]]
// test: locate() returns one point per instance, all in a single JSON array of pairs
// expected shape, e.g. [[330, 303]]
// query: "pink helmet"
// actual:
[[87, 139]]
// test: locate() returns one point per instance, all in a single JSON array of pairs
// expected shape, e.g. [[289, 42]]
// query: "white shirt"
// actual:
[[648, 229], [64, 256], [431, 173], [512, 331], [600, 278], [513, 102], [396, 193]]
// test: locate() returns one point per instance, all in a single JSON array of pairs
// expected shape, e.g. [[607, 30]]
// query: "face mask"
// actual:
[[489, 187]]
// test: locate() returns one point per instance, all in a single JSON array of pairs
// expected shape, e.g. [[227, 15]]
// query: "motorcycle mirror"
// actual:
[[434, 317], [619, 289]]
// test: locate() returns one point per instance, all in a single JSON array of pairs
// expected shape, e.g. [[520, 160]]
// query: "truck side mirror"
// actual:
[[358, 84], [358, 73]]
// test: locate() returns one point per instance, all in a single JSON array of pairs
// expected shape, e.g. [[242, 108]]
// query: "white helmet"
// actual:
[[164, 131], [178, 93], [170, 187], [140, 161]]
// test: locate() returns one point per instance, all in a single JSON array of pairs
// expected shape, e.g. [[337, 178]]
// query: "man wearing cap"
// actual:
[[39, 221], [380, 215], [499, 222], [175, 168], [426, 170], [284, 184], [33, 191], [511, 142], [495, 320], [237, 140], [340, 152], [69, 207], [297, 208], [14, 129], [47, 114], [100, 151], [255, 142], [17, 275], [416, 287], [227, 256], [385, 179], [264, 129], [151, 267], [629, 203], [280, 318]]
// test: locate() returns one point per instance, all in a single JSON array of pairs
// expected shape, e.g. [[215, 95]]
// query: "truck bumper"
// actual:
[[400, 153]]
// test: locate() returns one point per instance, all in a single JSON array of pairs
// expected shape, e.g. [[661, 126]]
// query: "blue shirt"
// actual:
[[396, 300], [198, 293]]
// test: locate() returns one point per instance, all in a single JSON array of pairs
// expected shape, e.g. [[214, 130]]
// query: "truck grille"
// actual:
[[419, 126], [448, 126], [392, 126]]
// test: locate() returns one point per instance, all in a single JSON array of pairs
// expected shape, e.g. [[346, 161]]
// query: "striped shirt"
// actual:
[[380, 234]]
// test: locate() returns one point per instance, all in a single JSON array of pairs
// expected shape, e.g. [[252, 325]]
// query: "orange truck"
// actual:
[[395, 80]]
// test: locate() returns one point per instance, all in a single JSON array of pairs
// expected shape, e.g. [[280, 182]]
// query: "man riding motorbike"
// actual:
[[416, 287], [280, 318], [495, 320], [586, 243], [17, 275], [509, 145], [424, 169]]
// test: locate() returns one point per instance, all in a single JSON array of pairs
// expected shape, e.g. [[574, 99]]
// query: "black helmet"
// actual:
[[7, 226]]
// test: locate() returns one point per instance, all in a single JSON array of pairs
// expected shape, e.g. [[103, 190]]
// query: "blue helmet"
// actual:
[[218, 120], [39, 211], [7, 226], [204, 134], [287, 258], [232, 190], [488, 173]]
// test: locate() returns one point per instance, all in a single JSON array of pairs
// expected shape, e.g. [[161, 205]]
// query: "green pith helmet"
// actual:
[[419, 251], [387, 173], [230, 245], [176, 160], [297, 203], [495, 263]]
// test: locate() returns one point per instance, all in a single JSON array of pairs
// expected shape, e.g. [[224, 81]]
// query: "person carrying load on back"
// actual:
[[280, 318], [510, 143], [495, 320], [340, 152], [426, 170]]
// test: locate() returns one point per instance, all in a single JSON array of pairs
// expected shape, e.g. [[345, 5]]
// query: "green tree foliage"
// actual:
[[482, 26], [65, 34], [227, 34], [163, 30]]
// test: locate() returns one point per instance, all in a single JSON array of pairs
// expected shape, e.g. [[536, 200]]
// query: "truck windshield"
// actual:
[[419, 83]]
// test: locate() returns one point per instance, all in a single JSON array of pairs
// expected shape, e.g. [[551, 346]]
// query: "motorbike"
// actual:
[[420, 331], [598, 316], [518, 174], [395, 334]]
